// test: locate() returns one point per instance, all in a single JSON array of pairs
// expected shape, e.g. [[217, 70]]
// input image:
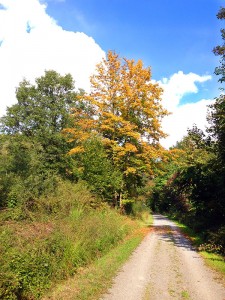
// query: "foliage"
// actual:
[[23, 173], [36, 254], [42, 108], [124, 108], [92, 282], [216, 115], [195, 147], [193, 190], [220, 50], [42, 111], [97, 170]]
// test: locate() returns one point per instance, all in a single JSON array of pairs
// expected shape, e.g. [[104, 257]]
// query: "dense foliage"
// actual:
[[60, 233], [65, 155], [109, 137], [192, 188]]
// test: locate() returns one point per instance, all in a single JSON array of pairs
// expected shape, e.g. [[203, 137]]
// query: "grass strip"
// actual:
[[215, 261], [189, 233], [92, 282]]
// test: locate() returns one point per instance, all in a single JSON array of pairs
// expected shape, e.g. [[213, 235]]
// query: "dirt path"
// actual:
[[165, 266]]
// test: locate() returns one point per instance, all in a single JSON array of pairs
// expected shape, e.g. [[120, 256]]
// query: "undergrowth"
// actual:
[[48, 240]]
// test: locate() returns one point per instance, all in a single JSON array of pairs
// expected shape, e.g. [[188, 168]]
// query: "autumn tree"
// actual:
[[126, 113]]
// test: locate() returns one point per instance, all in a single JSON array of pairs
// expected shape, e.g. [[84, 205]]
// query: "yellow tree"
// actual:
[[127, 114]]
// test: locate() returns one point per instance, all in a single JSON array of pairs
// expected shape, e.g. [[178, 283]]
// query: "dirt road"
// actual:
[[165, 266]]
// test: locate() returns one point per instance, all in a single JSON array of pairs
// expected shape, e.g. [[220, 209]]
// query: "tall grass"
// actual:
[[52, 238]]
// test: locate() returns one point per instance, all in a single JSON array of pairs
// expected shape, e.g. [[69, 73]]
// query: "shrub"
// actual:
[[59, 234]]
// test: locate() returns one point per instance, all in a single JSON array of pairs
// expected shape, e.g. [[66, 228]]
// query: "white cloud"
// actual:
[[33, 42], [183, 116]]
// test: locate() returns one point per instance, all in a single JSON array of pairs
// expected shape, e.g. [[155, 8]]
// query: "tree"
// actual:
[[195, 147], [220, 49], [97, 170], [127, 114], [216, 116], [42, 108], [42, 111], [23, 173], [195, 190]]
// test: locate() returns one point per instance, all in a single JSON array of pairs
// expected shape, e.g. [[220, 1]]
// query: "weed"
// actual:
[[185, 295], [54, 239]]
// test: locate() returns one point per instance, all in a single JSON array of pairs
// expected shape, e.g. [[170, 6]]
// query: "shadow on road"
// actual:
[[170, 233]]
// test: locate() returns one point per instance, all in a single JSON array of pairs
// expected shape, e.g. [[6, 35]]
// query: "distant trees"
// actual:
[[109, 137]]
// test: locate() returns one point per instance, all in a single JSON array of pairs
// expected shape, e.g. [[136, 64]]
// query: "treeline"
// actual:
[[192, 188], [67, 159], [108, 138]]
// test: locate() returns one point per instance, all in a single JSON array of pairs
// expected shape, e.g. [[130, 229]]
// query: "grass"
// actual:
[[58, 237], [52, 239], [91, 282], [185, 295], [215, 261]]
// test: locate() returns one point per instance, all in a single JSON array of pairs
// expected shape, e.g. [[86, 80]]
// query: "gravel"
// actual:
[[166, 266]]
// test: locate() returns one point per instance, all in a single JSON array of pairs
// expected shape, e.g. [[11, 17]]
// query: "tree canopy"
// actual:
[[42, 108], [127, 112], [41, 112], [123, 108]]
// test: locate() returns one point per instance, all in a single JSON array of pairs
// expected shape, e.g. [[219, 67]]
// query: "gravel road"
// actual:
[[165, 266]]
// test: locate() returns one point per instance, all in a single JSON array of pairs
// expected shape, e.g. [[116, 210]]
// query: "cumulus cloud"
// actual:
[[31, 42], [182, 116]]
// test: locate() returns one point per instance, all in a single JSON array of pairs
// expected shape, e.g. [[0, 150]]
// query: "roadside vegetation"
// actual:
[[191, 188], [70, 173], [56, 238], [210, 251], [79, 173]]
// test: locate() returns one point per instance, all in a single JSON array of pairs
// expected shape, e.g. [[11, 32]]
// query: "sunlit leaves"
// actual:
[[126, 113]]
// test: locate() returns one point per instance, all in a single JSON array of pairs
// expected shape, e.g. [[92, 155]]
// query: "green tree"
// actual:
[[97, 170], [42, 108], [195, 147], [23, 175], [220, 49], [42, 111], [195, 191], [217, 113]]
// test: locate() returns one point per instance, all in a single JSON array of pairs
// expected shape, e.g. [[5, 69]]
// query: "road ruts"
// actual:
[[165, 266]]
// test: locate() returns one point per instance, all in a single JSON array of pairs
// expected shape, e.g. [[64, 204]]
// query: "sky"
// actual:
[[174, 37]]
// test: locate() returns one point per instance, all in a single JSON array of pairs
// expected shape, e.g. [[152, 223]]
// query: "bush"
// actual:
[[58, 235]]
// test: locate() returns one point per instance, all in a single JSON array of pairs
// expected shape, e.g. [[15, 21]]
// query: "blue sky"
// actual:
[[174, 37], [168, 35]]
